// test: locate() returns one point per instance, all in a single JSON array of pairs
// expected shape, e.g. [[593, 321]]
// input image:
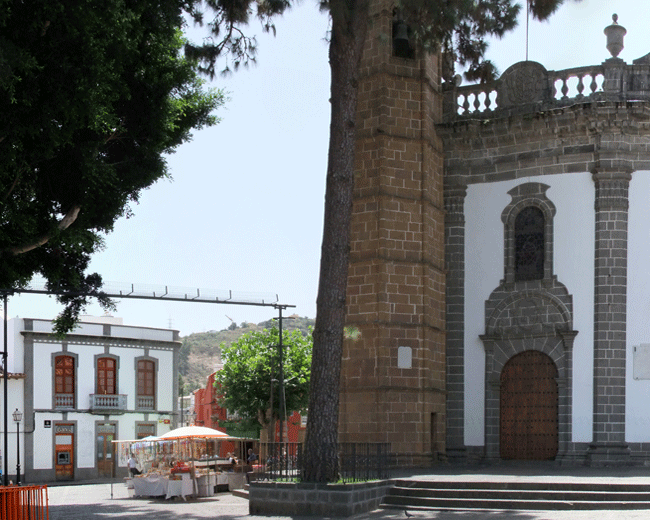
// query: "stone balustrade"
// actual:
[[527, 87], [114, 403]]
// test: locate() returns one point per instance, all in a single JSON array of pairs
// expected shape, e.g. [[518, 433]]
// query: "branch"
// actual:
[[11, 189], [64, 224]]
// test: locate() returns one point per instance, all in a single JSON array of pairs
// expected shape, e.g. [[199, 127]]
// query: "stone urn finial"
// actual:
[[615, 34]]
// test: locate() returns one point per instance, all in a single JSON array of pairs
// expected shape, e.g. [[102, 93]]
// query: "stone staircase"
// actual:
[[416, 495], [242, 493]]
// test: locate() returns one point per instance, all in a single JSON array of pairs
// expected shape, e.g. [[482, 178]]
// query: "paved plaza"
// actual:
[[103, 501]]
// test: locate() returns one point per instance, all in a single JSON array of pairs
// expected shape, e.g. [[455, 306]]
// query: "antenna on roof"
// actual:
[[527, 21]]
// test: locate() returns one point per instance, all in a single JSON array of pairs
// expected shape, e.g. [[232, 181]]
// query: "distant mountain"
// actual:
[[201, 352]]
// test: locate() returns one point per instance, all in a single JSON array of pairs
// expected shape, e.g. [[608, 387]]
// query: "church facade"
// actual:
[[522, 205]]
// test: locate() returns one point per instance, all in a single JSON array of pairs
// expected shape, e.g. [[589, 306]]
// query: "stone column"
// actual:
[[455, 318], [610, 313], [566, 450]]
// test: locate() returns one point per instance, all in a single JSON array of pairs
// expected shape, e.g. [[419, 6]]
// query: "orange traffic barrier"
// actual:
[[24, 503]]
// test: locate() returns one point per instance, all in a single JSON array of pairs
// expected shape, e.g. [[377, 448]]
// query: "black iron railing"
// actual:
[[358, 462], [363, 461]]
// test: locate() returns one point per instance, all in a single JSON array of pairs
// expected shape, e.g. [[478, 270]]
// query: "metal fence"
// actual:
[[364, 461], [357, 461], [24, 503]]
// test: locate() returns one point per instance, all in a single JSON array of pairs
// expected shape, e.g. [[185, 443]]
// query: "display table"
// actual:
[[206, 484], [217, 464], [236, 481], [151, 486], [180, 488], [158, 485]]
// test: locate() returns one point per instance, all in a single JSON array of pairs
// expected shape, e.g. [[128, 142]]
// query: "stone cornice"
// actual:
[[588, 137], [102, 341]]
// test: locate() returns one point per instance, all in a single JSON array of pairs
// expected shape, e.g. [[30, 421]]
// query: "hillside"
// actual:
[[201, 352]]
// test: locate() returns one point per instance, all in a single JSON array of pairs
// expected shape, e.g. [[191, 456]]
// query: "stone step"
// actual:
[[522, 485], [242, 493], [435, 495]]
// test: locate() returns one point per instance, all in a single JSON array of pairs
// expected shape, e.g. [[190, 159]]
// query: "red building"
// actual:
[[210, 414], [208, 411]]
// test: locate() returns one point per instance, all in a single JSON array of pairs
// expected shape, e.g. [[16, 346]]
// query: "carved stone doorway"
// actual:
[[529, 407]]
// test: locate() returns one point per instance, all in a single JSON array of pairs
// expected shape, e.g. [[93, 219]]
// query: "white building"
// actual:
[[103, 382]]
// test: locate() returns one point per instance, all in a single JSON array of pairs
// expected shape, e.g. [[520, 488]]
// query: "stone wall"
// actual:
[[320, 500]]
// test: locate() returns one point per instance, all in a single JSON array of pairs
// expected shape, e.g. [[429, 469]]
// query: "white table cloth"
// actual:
[[157, 485]]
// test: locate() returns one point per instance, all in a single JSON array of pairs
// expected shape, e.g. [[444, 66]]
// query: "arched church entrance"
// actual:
[[529, 407]]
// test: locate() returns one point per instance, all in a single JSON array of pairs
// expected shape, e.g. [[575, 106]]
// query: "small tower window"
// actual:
[[529, 244], [402, 44]]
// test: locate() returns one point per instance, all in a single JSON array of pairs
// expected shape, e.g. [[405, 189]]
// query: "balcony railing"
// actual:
[[145, 402], [528, 87], [63, 401], [107, 403]]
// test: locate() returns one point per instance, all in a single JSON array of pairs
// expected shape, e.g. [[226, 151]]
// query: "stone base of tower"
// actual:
[[385, 401], [391, 416]]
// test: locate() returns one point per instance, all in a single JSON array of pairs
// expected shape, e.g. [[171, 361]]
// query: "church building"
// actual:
[[499, 277]]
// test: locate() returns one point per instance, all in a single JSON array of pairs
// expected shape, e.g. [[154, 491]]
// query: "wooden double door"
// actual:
[[529, 408], [106, 450]]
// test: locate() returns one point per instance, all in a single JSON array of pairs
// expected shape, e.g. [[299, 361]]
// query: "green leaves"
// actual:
[[93, 93], [250, 365], [461, 27]]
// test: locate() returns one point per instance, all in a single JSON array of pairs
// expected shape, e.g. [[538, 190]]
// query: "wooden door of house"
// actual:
[[529, 407], [64, 451], [106, 450]]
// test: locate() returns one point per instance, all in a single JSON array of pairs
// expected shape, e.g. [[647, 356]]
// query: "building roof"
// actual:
[[12, 375]]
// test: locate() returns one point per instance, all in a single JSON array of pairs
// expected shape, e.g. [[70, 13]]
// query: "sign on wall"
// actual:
[[642, 361]]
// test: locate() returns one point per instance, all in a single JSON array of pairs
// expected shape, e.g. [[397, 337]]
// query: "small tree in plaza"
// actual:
[[251, 371]]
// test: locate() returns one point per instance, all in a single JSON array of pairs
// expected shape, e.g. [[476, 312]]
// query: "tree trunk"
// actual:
[[349, 27]]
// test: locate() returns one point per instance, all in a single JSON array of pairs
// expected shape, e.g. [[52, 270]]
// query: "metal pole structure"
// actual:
[[271, 423], [5, 377], [17, 418], [182, 392], [282, 405]]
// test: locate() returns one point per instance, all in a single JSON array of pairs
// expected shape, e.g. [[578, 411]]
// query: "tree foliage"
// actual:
[[93, 93], [251, 362]]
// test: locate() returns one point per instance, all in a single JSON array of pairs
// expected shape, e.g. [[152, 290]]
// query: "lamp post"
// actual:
[[18, 416]]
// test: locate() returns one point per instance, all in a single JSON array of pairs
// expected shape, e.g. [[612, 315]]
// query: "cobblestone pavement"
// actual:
[[95, 502]]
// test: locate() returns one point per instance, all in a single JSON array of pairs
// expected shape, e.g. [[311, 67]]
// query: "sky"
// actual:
[[244, 210]]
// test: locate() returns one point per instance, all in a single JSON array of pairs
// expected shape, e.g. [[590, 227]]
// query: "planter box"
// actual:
[[342, 500]]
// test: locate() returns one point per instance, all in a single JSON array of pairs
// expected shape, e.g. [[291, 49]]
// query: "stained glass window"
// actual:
[[529, 244]]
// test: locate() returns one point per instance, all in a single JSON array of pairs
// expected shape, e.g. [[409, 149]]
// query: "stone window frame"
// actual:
[[53, 358], [117, 371], [156, 389], [531, 194]]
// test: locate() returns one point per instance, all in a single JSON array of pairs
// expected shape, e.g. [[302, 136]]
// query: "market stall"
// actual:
[[191, 460]]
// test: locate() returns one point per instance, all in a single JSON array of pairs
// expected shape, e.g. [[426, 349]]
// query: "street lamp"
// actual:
[[18, 416]]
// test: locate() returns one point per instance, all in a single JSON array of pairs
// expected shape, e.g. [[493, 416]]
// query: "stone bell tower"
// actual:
[[393, 374]]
